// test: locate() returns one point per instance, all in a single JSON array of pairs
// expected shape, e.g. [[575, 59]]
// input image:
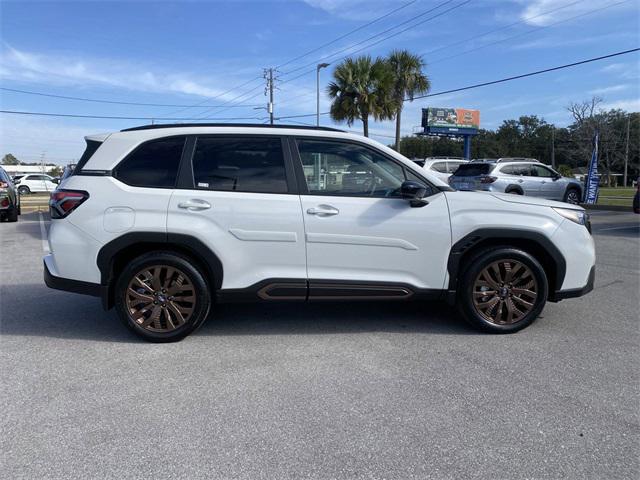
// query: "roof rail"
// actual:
[[252, 125], [517, 159], [486, 160]]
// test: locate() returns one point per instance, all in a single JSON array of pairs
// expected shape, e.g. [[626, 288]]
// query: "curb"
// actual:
[[610, 208]]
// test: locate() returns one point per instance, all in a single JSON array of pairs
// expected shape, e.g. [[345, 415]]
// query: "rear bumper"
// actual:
[[75, 286], [575, 292]]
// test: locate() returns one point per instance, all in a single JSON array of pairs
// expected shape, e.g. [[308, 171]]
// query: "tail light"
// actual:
[[487, 179], [63, 202], [4, 202], [4, 185]]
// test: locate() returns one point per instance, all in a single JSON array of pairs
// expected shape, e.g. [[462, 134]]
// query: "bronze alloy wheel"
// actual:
[[505, 292], [160, 298]]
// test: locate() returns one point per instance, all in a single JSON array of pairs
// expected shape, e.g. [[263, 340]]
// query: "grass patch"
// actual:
[[617, 192]]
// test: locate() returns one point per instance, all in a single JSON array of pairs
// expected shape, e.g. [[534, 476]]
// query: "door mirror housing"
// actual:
[[556, 176], [55, 180], [414, 192]]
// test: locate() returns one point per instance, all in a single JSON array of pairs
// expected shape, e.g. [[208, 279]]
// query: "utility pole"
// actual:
[[318, 67], [626, 152], [553, 147], [268, 75]]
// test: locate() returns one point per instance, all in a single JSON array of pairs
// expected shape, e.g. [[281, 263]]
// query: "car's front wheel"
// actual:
[[162, 297], [572, 196], [503, 290]]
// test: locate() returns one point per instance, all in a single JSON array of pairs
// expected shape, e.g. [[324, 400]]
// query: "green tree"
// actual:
[[9, 159], [361, 88], [56, 171], [408, 81]]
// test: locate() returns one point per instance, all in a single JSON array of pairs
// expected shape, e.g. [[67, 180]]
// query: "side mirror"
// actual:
[[55, 180], [414, 192]]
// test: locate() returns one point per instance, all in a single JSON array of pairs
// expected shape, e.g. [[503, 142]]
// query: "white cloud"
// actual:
[[357, 10], [534, 12], [611, 89], [629, 105], [63, 70]]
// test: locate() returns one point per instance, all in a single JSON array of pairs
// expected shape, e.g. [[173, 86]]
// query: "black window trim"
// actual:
[[302, 182], [114, 170], [186, 177]]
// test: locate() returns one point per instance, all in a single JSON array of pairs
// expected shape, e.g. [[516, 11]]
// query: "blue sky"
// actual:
[[200, 52]]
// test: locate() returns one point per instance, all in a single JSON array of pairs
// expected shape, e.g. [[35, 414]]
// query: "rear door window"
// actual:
[[152, 164], [240, 164], [439, 167]]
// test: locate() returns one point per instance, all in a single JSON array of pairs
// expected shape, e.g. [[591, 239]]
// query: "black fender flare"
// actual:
[[482, 235], [514, 187], [183, 243]]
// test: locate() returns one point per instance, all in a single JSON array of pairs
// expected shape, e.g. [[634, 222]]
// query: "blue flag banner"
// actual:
[[593, 181]]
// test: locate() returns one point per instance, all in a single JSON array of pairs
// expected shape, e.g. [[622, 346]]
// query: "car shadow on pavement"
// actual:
[[34, 310]]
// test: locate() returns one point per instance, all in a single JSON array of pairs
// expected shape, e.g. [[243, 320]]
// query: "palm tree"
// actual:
[[408, 81], [361, 88]]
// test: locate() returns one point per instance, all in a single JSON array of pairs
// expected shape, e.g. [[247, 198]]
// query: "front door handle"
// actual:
[[195, 205], [323, 211]]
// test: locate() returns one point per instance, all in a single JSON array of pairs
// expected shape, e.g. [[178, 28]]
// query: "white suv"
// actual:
[[163, 222], [35, 183]]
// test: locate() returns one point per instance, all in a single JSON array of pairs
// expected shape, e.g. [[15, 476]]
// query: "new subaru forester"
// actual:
[[164, 222]]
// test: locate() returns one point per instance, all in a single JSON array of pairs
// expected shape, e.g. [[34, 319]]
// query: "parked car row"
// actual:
[[9, 198], [519, 176]]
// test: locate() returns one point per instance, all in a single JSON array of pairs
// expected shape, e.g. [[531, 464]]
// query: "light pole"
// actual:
[[320, 65]]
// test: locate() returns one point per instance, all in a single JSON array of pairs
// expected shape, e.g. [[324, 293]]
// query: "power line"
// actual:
[[527, 32], [530, 74], [547, 12], [383, 39], [95, 100], [209, 110], [45, 114], [347, 34], [426, 12], [469, 87], [173, 112], [502, 80]]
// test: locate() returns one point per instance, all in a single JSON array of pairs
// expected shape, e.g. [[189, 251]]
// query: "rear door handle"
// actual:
[[195, 205], [323, 211]]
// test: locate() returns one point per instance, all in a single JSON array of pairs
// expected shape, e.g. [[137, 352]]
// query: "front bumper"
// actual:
[[575, 292]]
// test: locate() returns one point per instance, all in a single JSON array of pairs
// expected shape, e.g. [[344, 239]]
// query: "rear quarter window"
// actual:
[[152, 164]]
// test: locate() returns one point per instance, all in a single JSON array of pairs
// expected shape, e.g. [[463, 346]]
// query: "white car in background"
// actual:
[[443, 167], [35, 182]]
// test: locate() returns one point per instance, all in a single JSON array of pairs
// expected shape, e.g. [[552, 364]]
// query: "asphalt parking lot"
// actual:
[[325, 391]]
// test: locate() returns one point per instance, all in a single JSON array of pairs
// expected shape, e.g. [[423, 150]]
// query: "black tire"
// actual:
[[515, 191], [572, 196], [24, 190], [473, 274], [12, 215], [194, 278]]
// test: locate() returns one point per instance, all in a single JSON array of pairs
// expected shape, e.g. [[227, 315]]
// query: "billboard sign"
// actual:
[[450, 120]]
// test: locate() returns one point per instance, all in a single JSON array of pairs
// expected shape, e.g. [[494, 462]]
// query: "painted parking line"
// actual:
[[43, 235]]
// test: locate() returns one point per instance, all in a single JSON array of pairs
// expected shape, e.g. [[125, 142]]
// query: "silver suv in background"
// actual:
[[443, 167], [521, 176]]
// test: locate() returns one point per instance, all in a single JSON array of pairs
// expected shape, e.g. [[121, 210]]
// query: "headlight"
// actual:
[[577, 216]]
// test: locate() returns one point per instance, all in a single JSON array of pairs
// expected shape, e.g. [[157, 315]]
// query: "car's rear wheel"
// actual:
[[24, 190], [572, 196], [503, 290], [12, 215], [162, 297]]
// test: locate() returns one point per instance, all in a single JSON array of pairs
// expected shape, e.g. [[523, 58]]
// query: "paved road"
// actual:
[[325, 391]]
